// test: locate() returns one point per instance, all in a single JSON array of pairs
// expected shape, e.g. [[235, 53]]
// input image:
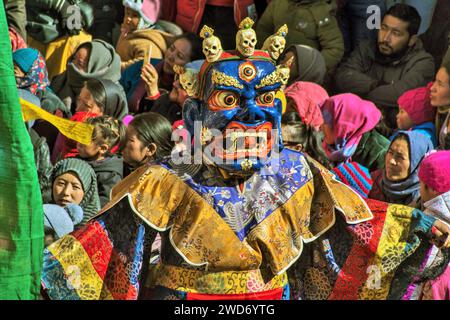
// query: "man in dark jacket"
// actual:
[[381, 72]]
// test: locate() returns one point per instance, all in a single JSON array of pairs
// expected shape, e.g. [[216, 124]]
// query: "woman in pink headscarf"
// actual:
[[300, 124], [349, 134]]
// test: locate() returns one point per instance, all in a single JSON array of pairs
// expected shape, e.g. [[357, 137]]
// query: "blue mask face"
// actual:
[[239, 113]]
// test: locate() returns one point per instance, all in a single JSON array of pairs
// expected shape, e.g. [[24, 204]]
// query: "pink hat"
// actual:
[[148, 9], [416, 103], [308, 97], [434, 171]]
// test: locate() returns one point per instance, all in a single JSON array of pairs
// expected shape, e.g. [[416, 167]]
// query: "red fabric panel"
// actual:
[[366, 239], [275, 294]]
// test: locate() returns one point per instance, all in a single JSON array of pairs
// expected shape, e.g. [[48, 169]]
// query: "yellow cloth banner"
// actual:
[[78, 131]]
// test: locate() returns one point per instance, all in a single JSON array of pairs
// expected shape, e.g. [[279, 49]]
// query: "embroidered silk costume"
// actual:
[[248, 222]]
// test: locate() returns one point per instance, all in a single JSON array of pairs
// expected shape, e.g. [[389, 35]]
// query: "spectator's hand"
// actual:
[[124, 30], [150, 77], [441, 234]]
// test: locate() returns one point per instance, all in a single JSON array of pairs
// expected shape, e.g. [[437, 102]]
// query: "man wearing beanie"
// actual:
[[434, 176], [416, 113]]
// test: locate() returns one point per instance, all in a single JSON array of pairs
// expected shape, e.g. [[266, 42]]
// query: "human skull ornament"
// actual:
[[283, 74], [246, 38], [212, 47], [189, 82], [284, 71], [188, 79], [276, 43]]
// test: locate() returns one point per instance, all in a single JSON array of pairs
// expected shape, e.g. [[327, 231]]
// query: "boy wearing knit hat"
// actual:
[[416, 113], [434, 176]]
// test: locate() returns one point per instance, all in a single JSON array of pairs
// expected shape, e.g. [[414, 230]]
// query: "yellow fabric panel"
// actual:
[[79, 269], [57, 52], [202, 237], [390, 251], [351, 205], [227, 282]]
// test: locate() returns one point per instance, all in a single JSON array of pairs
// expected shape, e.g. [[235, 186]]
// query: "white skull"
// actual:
[[275, 45], [283, 75], [246, 42], [212, 48], [188, 81]]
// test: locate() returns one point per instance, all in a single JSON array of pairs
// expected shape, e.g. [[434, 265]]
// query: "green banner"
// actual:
[[21, 211]]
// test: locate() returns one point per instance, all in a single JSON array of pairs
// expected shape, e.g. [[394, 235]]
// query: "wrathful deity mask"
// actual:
[[236, 114]]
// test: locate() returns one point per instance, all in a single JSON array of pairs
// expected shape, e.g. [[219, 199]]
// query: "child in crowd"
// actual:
[[97, 98], [139, 32], [148, 138], [416, 113], [30, 71], [73, 183], [108, 133]]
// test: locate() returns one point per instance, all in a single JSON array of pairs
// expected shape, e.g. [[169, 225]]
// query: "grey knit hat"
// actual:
[[91, 200], [310, 63]]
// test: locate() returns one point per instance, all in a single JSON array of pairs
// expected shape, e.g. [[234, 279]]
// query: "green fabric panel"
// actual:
[[21, 210]]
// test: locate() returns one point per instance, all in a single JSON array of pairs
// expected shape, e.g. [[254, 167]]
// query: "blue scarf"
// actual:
[[407, 191]]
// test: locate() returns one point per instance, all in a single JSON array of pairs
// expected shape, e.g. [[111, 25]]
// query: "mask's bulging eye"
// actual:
[[266, 99], [223, 100]]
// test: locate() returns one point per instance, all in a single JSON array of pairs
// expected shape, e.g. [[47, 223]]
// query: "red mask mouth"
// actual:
[[240, 141]]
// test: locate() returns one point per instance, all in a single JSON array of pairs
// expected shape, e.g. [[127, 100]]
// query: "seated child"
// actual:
[[97, 98], [108, 134], [139, 31], [416, 113]]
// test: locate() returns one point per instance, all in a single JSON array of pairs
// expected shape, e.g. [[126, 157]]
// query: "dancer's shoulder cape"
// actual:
[[220, 239]]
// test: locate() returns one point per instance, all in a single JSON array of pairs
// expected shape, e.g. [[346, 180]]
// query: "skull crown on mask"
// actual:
[[246, 38], [212, 47]]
